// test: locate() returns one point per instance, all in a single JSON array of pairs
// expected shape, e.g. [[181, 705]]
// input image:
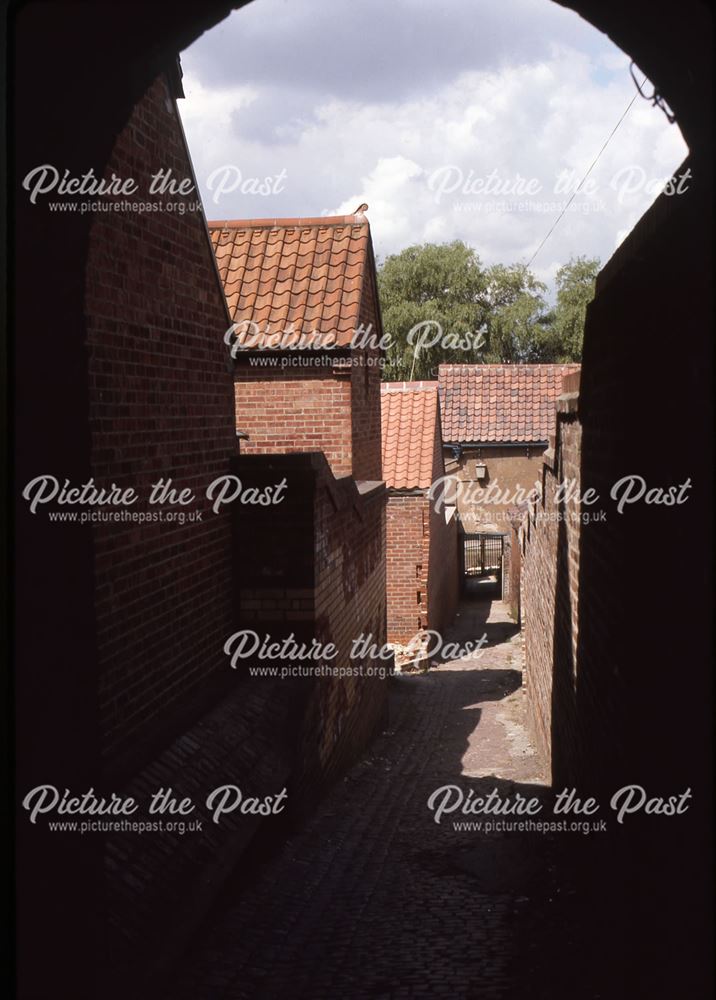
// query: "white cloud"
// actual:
[[529, 108]]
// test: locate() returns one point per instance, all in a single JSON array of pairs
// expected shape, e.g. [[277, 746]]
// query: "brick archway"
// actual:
[[73, 98]]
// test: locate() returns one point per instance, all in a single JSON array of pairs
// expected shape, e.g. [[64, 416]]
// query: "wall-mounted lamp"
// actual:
[[480, 470]]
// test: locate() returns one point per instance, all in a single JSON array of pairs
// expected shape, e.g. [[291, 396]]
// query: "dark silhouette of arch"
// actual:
[[76, 72]]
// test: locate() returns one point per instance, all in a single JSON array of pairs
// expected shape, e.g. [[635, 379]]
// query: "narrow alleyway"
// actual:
[[372, 898]]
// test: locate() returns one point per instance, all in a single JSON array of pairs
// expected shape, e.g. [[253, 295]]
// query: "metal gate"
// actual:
[[481, 556]]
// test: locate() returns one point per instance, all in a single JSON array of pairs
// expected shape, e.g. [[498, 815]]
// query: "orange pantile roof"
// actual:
[[298, 280], [409, 421], [499, 402]]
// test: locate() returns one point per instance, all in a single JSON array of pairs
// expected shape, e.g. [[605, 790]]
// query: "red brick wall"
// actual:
[[618, 612], [297, 409], [443, 578], [422, 573], [314, 402], [422, 559], [365, 388], [641, 413], [600, 599], [314, 565], [350, 600], [443, 569], [548, 546], [407, 554], [161, 405]]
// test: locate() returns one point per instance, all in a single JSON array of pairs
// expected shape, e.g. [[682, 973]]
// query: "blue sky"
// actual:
[[468, 120]]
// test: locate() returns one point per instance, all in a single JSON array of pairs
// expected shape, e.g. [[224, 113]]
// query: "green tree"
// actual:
[[439, 304], [519, 328], [575, 290], [424, 286]]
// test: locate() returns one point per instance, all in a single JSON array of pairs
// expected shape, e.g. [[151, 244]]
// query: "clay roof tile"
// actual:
[[409, 418], [308, 272], [486, 403]]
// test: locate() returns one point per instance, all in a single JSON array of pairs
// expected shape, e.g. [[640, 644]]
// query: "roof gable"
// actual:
[[293, 282]]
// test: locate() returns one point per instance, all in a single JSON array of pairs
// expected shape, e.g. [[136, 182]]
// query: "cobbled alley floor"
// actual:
[[374, 899]]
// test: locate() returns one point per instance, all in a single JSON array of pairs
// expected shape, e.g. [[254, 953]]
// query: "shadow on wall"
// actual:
[[564, 730], [633, 708]]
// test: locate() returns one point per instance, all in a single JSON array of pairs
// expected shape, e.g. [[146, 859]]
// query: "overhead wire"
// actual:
[[655, 98]]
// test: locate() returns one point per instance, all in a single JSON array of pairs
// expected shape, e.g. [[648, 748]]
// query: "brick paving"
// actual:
[[373, 899]]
